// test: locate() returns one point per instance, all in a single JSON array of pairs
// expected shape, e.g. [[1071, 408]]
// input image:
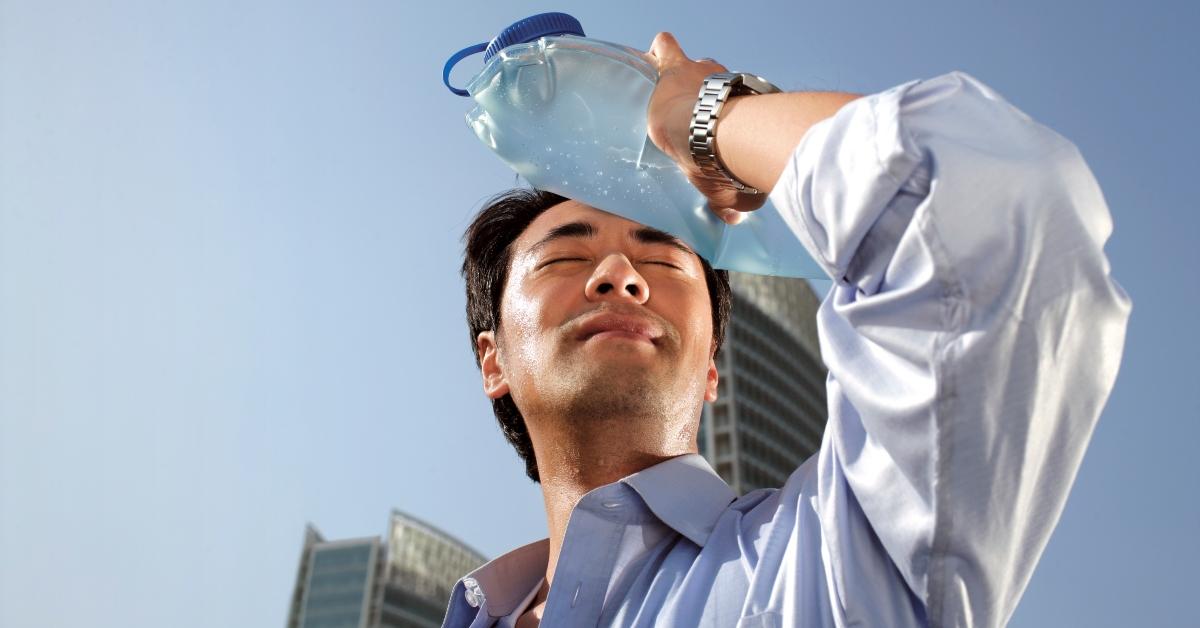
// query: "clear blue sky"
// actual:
[[229, 303]]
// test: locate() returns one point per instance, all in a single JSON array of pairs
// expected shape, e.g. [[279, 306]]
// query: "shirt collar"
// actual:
[[505, 581], [683, 492]]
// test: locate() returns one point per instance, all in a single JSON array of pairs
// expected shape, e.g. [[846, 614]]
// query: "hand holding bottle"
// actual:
[[669, 117], [755, 136]]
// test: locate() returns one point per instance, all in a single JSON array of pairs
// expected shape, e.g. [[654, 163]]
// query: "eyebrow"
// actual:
[[567, 230], [650, 235], [580, 229]]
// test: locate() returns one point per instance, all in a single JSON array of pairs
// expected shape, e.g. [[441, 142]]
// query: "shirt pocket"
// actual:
[[761, 620]]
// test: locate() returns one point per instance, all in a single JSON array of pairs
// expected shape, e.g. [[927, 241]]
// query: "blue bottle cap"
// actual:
[[523, 31]]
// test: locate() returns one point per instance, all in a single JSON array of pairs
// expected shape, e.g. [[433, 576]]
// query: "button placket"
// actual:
[[591, 536]]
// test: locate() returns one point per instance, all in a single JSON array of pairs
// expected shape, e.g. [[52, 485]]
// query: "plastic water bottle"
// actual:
[[568, 113]]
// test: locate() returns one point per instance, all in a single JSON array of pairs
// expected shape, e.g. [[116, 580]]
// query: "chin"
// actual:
[[616, 390]]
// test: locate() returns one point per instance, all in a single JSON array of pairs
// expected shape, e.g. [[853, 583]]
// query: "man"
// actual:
[[972, 337]]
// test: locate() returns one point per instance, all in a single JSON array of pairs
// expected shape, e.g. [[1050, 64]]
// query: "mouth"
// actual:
[[612, 326]]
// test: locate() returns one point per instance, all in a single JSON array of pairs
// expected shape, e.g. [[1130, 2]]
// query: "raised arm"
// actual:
[[972, 336], [756, 136]]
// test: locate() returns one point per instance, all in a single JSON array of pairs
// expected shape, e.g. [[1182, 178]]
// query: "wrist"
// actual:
[[722, 130], [717, 93]]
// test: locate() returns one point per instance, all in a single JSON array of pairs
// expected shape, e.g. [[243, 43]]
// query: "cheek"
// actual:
[[701, 331], [519, 314], [696, 326], [523, 317]]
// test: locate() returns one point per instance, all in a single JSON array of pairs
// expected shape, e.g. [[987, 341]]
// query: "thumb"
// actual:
[[666, 48]]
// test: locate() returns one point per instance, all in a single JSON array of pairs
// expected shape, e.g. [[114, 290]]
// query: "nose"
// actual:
[[616, 279]]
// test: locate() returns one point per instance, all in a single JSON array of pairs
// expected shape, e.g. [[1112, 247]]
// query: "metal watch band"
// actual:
[[716, 90]]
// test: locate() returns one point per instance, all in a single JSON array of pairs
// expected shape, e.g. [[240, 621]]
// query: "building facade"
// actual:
[[771, 410], [402, 580]]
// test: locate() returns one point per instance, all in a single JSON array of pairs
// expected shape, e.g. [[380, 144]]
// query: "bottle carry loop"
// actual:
[[454, 59], [523, 31]]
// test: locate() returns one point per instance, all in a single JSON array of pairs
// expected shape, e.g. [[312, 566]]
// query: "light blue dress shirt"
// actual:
[[972, 337]]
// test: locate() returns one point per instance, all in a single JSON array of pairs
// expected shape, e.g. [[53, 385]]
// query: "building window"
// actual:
[[724, 447], [725, 470]]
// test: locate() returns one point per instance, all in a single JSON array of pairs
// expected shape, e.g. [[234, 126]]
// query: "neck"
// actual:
[[572, 462]]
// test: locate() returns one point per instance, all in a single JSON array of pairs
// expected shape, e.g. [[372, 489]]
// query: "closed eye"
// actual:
[[561, 259], [667, 264]]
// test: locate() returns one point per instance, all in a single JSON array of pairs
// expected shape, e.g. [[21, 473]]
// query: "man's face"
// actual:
[[601, 317]]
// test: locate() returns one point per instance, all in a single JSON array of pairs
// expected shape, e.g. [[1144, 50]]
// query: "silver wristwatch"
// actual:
[[716, 90]]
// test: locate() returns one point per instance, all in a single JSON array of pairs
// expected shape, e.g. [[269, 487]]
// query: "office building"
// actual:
[[771, 410], [403, 580]]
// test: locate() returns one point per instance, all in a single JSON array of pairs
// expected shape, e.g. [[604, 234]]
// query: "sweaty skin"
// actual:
[[605, 340], [606, 346]]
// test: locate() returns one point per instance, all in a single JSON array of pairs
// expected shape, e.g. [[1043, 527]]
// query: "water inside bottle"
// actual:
[[568, 115]]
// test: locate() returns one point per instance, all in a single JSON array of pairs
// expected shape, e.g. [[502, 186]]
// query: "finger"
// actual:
[[723, 204], [723, 197], [716, 65], [666, 48], [731, 216], [733, 207], [746, 203]]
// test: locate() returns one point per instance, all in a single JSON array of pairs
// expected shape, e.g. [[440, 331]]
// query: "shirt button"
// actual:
[[473, 593], [611, 505]]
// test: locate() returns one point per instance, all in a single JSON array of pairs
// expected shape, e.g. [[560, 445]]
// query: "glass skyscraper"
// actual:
[[771, 411], [400, 581]]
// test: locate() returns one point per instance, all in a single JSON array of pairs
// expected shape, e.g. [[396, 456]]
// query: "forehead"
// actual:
[[572, 211]]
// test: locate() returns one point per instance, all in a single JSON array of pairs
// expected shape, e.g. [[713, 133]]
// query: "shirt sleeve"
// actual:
[[972, 337]]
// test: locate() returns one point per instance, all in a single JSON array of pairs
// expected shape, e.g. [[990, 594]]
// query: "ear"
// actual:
[[494, 384], [710, 384]]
